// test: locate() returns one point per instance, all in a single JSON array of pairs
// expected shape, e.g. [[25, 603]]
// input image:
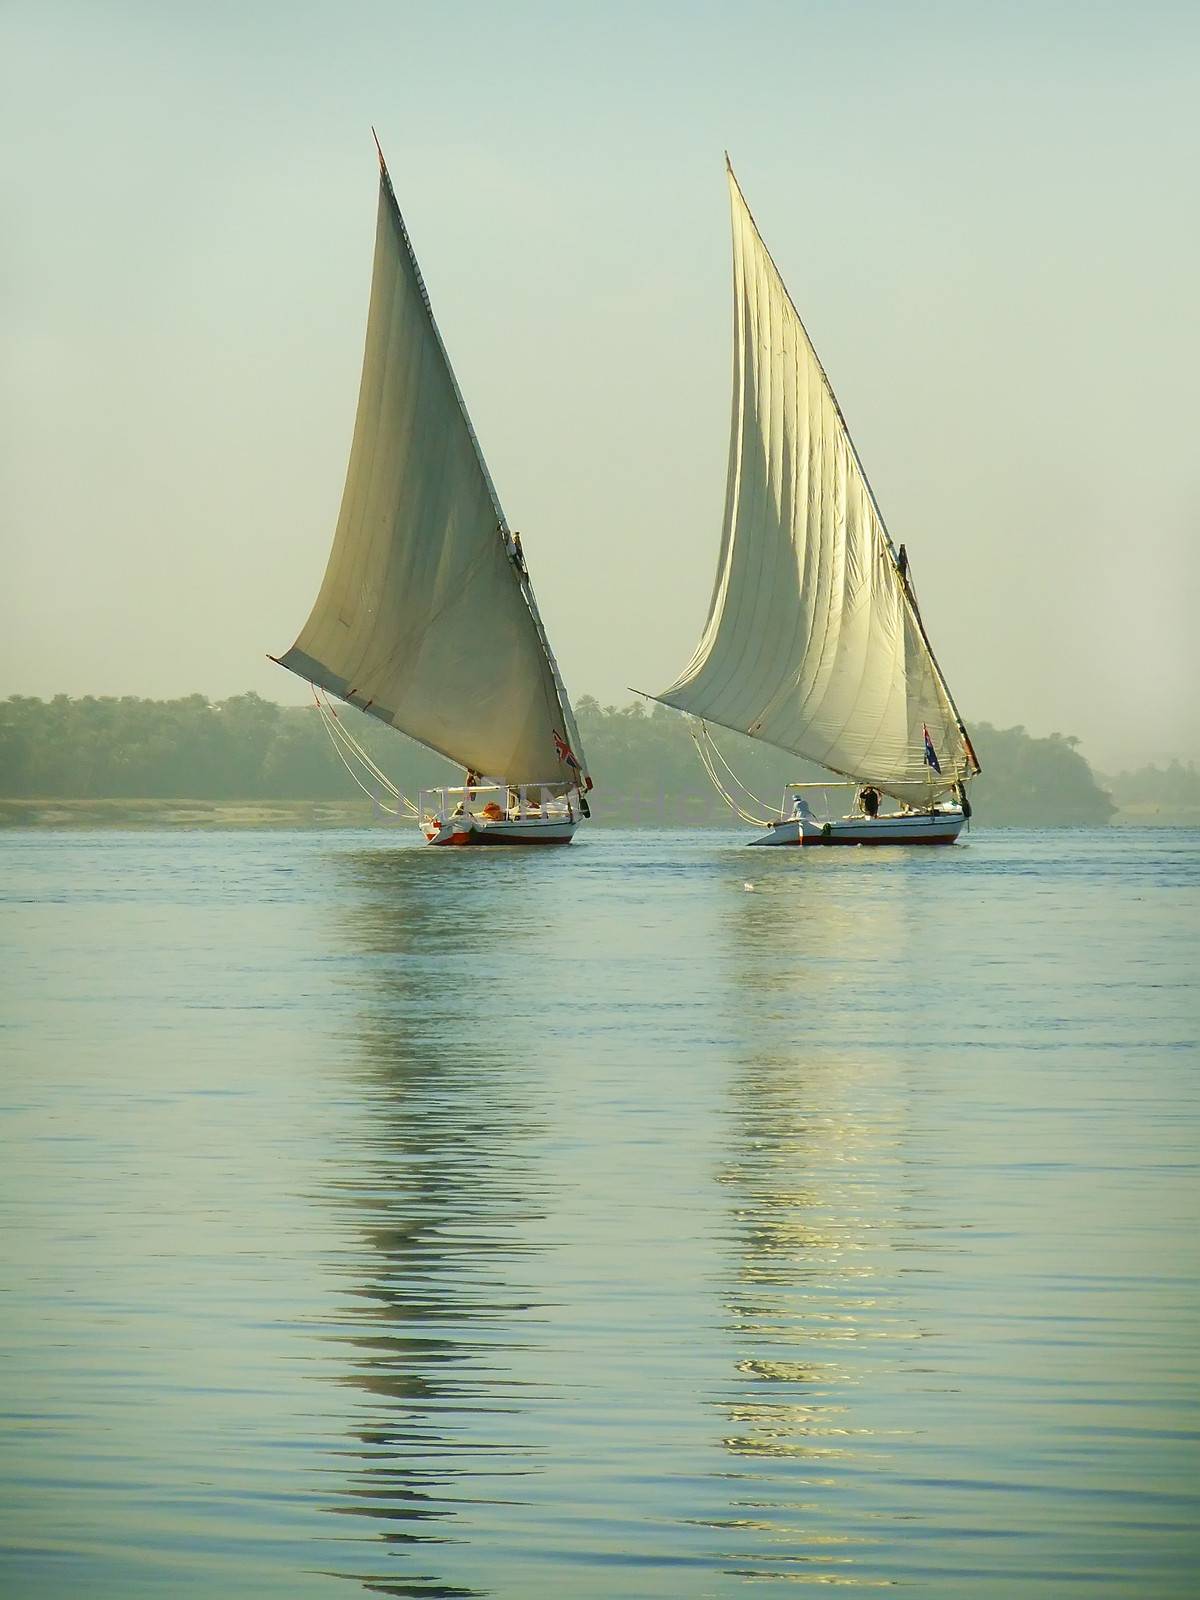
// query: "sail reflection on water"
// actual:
[[823, 1203], [442, 1187]]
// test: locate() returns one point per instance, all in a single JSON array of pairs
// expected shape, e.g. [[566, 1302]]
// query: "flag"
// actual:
[[931, 759], [565, 754]]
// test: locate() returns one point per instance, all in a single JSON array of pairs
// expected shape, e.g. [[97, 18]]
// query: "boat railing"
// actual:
[[828, 813], [496, 802], [789, 813]]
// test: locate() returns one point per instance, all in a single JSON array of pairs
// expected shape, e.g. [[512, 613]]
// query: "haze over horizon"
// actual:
[[981, 215]]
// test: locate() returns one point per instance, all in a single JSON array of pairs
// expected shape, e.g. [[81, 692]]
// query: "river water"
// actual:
[[656, 1217]]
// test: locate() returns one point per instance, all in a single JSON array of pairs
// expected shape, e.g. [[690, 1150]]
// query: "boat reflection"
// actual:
[[823, 1201], [442, 1182]]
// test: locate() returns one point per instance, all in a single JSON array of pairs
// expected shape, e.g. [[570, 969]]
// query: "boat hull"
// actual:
[[471, 832], [907, 828]]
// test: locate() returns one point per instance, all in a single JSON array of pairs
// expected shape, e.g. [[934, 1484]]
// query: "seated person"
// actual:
[[801, 810]]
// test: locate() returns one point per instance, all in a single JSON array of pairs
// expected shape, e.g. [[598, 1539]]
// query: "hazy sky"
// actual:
[[987, 215]]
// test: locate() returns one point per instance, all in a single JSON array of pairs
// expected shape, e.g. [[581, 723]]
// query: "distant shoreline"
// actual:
[[59, 813], [331, 814], [252, 760]]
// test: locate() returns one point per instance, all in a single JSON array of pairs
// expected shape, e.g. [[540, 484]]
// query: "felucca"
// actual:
[[426, 617], [814, 640]]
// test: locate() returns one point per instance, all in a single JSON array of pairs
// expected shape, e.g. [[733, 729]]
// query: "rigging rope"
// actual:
[[336, 726], [712, 745], [342, 740], [713, 778], [371, 794]]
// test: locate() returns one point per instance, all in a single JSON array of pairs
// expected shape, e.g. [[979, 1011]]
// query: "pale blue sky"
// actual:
[[986, 215]]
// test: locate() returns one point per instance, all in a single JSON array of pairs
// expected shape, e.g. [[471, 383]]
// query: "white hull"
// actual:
[[472, 831], [901, 828]]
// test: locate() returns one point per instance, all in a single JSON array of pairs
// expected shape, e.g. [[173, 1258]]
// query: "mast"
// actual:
[[915, 611]]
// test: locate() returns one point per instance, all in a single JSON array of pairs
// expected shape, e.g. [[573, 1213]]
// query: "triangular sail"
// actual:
[[426, 617], [813, 640]]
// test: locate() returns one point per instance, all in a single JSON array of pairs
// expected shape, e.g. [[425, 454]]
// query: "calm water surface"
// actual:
[[653, 1218]]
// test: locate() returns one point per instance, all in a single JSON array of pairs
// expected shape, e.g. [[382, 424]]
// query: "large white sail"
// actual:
[[425, 617], [813, 640]]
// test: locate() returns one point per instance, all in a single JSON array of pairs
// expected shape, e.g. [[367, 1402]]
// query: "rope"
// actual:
[[340, 731], [712, 745], [335, 725], [706, 762], [342, 740], [360, 755], [371, 794]]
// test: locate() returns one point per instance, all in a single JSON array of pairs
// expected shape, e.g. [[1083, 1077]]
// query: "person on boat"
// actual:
[[868, 799], [801, 810]]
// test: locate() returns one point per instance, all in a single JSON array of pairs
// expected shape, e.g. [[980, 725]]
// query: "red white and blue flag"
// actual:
[[565, 754], [931, 759]]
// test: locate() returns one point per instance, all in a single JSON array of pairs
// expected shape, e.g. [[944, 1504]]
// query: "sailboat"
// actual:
[[426, 618], [814, 641]]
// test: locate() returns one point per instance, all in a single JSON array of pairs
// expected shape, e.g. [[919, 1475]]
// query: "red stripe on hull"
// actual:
[[471, 840]]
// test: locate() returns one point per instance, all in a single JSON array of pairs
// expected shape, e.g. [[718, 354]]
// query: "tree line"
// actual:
[[643, 760], [1159, 794]]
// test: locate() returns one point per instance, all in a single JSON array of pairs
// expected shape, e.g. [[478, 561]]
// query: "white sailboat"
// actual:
[[426, 617], [814, 641]]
